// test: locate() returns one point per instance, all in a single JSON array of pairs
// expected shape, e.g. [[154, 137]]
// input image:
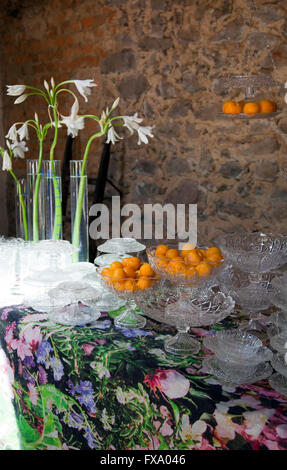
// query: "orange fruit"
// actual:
[[130, 285], [231, 107], [172, 253], [194, 257], [190, 272], [119, 273], [116, 265], [106, 272], [161, 263], [203, 253], [144, 284], [133, 262], [267, 106], [214, 259], [177, 265], [130, 272], [251, 107], [146, 270], [203, 269], [161, 250]]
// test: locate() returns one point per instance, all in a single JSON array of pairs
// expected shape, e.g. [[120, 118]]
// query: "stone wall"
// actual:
[[165, 58]]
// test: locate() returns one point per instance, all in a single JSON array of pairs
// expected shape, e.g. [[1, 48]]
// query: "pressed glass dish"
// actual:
[[279, 342], [260, 372], [254, 252], [279, 363], [237, 347]]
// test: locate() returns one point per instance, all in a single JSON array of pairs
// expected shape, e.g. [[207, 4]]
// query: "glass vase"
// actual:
[[79, 210], [21, 193], [52, 196], [35, 202]]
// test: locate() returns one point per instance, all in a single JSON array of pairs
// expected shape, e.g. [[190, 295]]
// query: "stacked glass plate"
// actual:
[[239, 357], [278, 381]]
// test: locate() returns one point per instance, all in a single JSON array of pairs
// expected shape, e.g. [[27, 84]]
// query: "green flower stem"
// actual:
[[36, 195], [79, 207], [58, 206], [22, 204]]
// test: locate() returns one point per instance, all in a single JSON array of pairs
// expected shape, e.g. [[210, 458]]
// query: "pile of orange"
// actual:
[[130, 274], [251, 107], [189, 262]]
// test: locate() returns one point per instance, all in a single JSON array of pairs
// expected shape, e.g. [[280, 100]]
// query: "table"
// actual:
[[98, 387]]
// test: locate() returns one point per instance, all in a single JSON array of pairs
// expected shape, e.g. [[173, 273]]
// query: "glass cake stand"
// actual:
[[121, 246], [74, 303], [249, 83]]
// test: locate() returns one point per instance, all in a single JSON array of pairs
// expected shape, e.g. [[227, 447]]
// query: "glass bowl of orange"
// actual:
[[190, 266], [130, 279]]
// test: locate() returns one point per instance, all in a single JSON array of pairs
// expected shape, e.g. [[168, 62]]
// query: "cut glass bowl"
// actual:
[[74, 315], [154, 304], [109, 258], [121, 246], [184, 274], [279, 383], [237, 347], [108, 302], [254, 252], [194, 312], [260, 372]]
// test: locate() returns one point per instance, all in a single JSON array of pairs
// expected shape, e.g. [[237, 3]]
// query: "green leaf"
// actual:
[[175, 412], [51, 393], [28, 433]]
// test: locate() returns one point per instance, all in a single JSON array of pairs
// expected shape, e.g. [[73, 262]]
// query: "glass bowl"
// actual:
[[130, 290], [279, 363], [279, 342], [254, 252], [202, 273], [232, 377], [279, 383], [237, 347]]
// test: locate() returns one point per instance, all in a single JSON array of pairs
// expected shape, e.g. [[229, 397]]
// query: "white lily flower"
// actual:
[[19, 149], [8, 144], [132, 123], [23, 132], [74, 122], [83, 87], [115, 104], [21, 99], [7, 164], [52, 82], [112, 136], [36, 117], [12, 133], [15, 90], [103, 120]]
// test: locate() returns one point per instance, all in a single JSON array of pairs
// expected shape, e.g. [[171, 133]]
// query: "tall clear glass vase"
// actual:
[[35, 201], [52, 196], [21, 192], [79, 210]]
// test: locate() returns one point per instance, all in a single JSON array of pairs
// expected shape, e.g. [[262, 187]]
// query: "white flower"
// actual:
[[20, 99], [132, 123], [15, 90], [23, 132], [112, 136], [83, 87], [7, 164], [12, 133], [115, 104], [73, 122], [19, 149]]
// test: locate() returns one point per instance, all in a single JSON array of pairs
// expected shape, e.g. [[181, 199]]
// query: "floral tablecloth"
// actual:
[[98, 387]]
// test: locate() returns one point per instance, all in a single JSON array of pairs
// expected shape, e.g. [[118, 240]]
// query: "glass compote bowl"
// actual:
[[249, 290], [254, 252], [238, 356], [130, 290], [198, 304], [74, 303]]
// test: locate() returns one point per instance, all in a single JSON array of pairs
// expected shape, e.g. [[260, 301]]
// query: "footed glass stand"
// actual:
[[130, 319]]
